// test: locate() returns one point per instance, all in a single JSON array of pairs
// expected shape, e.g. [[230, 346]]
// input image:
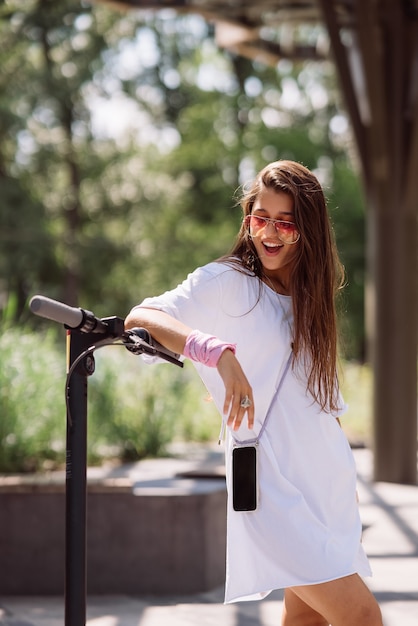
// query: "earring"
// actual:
[[250, 261]]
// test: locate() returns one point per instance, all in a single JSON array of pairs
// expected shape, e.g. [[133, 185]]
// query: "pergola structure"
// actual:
[[374, 44]]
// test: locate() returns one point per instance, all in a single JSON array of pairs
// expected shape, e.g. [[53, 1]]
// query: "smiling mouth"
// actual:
[[271, 248]]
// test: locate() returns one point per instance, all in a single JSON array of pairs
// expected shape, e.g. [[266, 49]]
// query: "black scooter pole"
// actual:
[[75, 590]]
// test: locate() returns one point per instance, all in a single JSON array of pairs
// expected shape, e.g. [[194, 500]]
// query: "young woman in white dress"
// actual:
[[260, 327]]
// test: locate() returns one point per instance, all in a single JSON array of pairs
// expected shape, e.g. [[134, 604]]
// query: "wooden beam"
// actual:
[[346, 80], [393, 251], [371, 51], [396, 63], [270, 53], [410, 190]]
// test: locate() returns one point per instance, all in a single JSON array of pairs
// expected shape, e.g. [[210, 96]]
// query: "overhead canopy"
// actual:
[[374, 44]]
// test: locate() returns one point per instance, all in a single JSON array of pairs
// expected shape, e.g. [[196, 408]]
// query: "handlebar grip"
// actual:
[[56, 311]]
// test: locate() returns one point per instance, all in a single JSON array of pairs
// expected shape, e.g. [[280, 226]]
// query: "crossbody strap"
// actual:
[[255, 440]]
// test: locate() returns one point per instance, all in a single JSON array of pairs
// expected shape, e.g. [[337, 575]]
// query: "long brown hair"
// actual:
[[316, 276]]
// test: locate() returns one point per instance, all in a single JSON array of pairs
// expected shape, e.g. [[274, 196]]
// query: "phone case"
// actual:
[[244, 478]]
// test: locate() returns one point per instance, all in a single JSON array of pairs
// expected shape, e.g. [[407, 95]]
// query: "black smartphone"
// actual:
[[244, 478]]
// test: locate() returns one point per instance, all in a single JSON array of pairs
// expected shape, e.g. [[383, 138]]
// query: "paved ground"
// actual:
[[390, 517]]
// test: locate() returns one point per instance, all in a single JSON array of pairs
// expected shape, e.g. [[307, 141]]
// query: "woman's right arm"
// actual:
[[164, 328]]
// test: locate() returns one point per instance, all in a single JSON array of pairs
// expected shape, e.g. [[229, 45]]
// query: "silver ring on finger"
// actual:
[[245, 402]]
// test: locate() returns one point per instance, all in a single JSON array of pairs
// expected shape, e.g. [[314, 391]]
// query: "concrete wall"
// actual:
[[164, 536]]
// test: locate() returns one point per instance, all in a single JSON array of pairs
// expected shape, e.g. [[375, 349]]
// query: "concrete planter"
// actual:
[[158, 536]]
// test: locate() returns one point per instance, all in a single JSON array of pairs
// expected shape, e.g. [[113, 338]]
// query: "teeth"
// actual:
[[271, 245]]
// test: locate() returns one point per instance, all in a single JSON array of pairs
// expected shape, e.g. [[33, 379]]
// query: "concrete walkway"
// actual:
[[390, 518]]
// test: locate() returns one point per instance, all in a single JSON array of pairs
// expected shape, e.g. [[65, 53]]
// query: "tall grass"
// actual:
[[32, 413], [139, 408], [134, 409]]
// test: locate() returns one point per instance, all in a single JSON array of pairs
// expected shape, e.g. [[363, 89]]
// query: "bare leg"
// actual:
[[297, 613], [342, 602]]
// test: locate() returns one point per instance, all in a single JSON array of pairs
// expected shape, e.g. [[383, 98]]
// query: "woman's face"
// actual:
[[275, 256]]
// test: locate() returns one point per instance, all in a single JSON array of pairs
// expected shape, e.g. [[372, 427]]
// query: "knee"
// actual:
[[369, 615]]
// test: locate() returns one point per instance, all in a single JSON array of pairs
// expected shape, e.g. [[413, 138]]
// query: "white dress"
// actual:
[[306, 528]]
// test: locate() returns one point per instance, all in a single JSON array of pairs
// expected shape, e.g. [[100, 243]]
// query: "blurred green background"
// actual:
[[124, 140]]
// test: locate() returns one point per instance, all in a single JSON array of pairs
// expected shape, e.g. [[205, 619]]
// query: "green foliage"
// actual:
[[103, 210], [48, 152], [134, 409], [348, 214], [139, 408], [357, 386], [32, 408]]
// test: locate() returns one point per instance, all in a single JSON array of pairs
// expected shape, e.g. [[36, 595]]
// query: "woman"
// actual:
[[260, 326]]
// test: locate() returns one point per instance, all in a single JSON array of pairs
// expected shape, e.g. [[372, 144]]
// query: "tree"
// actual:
[[50, 152], [105, 214]]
